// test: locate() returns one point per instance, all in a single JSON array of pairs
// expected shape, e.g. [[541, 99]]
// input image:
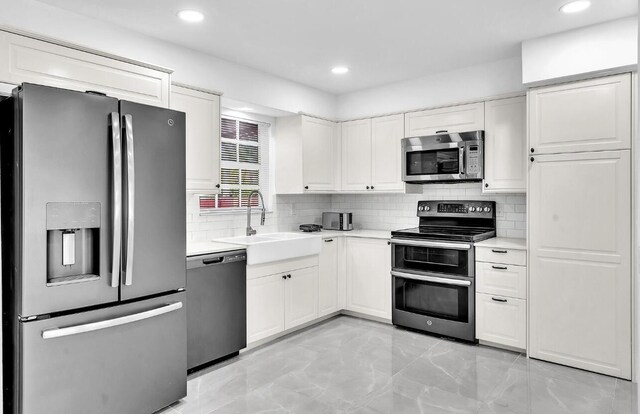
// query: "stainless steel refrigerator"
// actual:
[[93, 253]]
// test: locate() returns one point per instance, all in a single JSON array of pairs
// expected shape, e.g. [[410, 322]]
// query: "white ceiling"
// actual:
[[382, 41]]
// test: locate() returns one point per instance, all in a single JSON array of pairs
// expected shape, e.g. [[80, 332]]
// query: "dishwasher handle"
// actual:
[[233, 256]]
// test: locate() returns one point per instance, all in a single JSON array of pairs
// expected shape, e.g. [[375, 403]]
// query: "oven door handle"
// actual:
[[434, 279], [442, 245]]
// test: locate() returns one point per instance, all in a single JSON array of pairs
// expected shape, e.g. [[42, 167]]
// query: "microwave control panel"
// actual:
[[474, 155]]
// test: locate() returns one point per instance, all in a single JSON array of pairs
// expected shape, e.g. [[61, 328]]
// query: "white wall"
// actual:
[[466, 84], [585, 51], [191, 67]]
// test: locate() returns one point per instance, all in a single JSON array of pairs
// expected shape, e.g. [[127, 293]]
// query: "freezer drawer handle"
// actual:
[[117, 198], [110, 323], [131, 193]]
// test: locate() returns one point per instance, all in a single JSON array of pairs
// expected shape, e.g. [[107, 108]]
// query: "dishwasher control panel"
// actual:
[[235, 258]]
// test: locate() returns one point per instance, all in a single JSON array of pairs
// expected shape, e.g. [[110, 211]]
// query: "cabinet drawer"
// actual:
[[501, 320], [501, 279], [499, 255]]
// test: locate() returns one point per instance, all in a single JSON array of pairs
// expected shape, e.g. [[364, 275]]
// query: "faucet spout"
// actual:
[[250, 230]]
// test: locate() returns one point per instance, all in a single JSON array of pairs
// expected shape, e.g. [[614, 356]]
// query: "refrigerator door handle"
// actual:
[[110, 323], [117, 197], [131, 191]]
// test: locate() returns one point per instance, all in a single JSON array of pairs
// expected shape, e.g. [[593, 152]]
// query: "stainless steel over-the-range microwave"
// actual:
[[443, 157]]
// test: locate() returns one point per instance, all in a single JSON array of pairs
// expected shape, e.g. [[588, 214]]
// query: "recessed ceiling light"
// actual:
[[575, 6], [340, 70], [191, 16]]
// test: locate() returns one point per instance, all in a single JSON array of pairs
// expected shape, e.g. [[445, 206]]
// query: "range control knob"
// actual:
[[420, 208], [427, 208], [472, 209], [487, 209]]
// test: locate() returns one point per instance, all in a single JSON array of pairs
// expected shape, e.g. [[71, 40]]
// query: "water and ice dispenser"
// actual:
[[73, 243]]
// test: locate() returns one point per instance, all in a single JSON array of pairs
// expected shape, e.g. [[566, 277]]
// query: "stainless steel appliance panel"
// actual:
[[434, 303], [337, 221], [443, 158], [217, 306], [154, 236], [426, 256], [64, 156], [128, 358]]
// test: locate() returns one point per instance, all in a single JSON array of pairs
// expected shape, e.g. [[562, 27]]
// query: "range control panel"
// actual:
[[484, 209]]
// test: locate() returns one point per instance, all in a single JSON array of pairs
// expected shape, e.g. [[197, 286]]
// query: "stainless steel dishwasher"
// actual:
[[216, 307]]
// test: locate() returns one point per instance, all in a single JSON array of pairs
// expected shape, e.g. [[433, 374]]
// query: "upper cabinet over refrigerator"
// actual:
[[591, 115]]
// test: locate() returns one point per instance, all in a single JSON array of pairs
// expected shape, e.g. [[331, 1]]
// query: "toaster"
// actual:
[[337, 221]]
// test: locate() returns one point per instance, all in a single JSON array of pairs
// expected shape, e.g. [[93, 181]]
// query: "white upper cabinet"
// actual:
[[202, 135], [369, 277], [592, 115], [24, 59], [505, 154], [319, 154], [580, 260], [461, 118], [307, 153], [386, 154], [356, 155]]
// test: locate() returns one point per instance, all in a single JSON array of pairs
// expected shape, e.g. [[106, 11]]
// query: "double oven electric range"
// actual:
[[433, 267]]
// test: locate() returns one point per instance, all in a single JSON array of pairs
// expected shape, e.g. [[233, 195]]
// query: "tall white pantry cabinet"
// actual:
[[580, 224]]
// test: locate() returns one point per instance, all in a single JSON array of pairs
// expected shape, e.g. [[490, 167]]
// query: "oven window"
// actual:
[[437, 300], [431, 259], [445, 161]]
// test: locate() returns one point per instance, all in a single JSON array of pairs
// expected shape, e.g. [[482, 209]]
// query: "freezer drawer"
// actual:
[[135, 362]]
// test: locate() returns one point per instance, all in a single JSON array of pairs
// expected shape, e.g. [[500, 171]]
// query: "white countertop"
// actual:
[[504, 243], [369, 234], [208, 247], [198, 248]]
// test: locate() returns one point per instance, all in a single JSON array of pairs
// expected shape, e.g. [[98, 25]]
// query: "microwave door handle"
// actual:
[[131, 193], [441, 280], [116, 142], [461, 159]]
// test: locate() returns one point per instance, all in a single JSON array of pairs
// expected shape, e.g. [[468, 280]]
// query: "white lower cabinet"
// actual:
[[501, 293], [369, 277], [501, 320], [265, 307], [280, 301], [328, 278], [300, 297]]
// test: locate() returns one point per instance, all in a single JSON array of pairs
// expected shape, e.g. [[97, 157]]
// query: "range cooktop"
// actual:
[[457, 220]]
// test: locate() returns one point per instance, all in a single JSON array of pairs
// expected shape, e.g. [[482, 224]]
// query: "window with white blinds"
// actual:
[[244, 160]]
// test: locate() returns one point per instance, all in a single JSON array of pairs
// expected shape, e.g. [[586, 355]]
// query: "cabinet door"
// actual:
[[591, 115], [501, 320], [23, 59], [202, 135], [319, 154], [328, 278], [301, 297], [356, 155], [461, 118], [580, 270], [369, 277], [265, 307], [505, 168], [386, 154]]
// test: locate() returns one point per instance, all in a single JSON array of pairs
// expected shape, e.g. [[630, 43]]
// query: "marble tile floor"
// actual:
[[350, 365]]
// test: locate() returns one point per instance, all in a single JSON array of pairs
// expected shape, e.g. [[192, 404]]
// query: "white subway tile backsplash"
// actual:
[[371, 211]]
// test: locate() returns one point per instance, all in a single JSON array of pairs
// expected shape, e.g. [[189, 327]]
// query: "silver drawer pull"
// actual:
[[110, 323], [500, 267], [499, 300]]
